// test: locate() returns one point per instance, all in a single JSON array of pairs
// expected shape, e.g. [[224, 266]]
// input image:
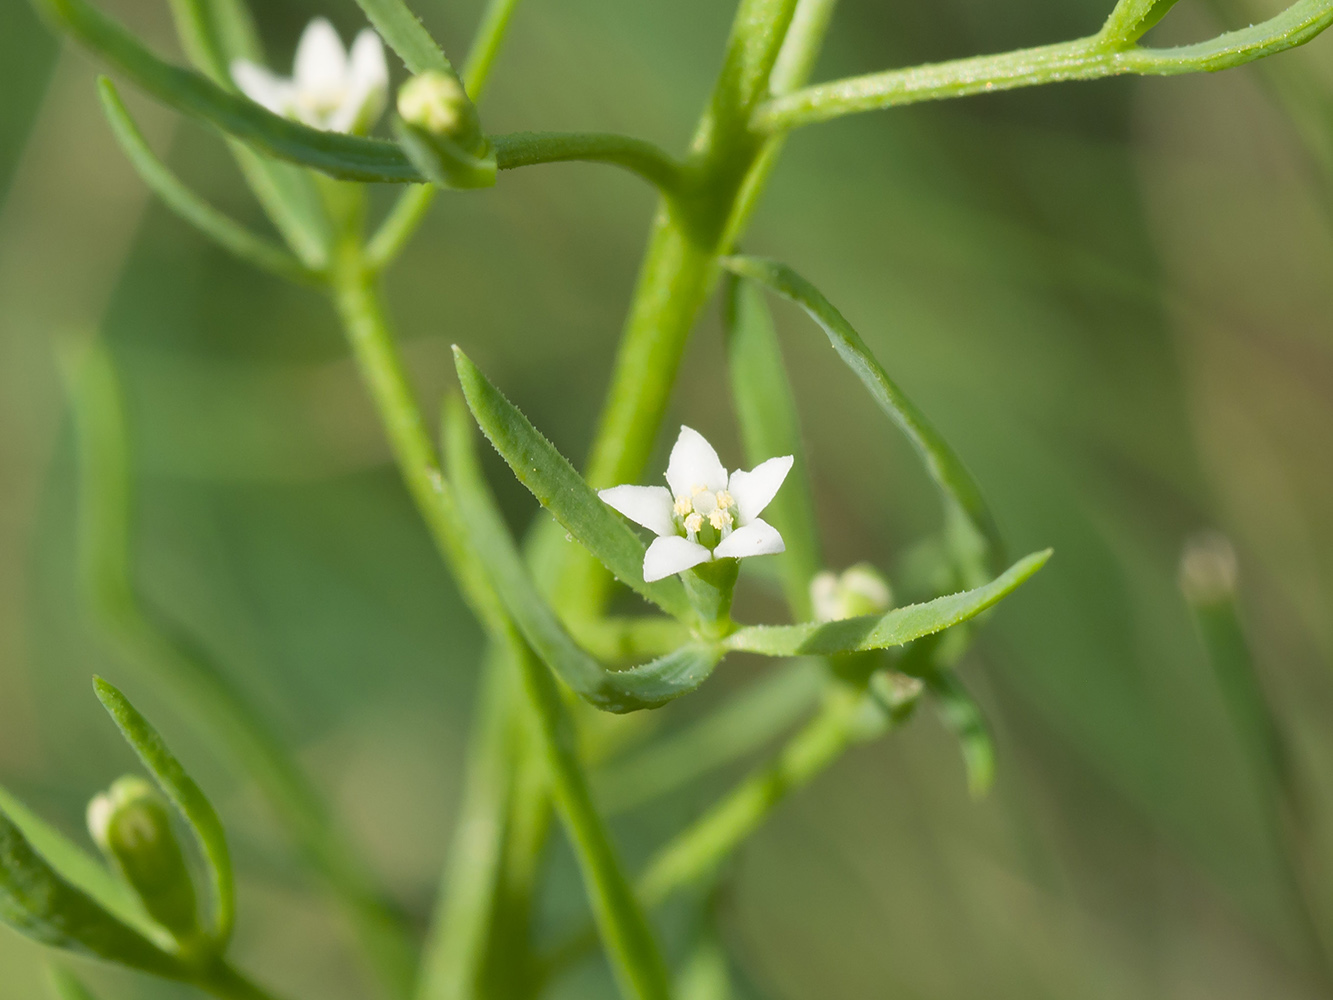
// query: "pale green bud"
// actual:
[[859, 590], [131, 823], [1208, 569], [436, 102]]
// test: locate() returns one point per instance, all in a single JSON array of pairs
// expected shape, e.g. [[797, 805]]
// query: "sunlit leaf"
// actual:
[[960, 491], [561, 490], [899, 626], [645, 686], [406, 35], [37, 902], [181, 789]]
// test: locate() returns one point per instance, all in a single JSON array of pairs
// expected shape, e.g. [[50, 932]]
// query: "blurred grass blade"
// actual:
[[956, 484], [345, 156], [173, 662], [406, 35], [770, 426], [740, 726], [66, 986], [640, 687], [231, 235], [899, 626], [963, 717], [186, 796], [78, 867], [39, 904], [561, 490]]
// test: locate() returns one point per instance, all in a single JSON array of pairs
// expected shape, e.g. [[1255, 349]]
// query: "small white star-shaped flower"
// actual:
[[327, 90], [706, 514]]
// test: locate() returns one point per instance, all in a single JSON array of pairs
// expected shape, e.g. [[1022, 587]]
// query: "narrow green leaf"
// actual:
[[185, 795], [78, 867], [963, 717], [770, 426], [39, 904], [1132, 19], [345, 156], [899, 626], [646, 686], [406, 35], [231, 235], [560, 489], [959, 490]]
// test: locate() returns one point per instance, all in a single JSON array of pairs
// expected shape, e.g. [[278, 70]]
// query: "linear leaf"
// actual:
[[560, 489], [181, 789], [964, 718], [770, 426], [959, 489], [37, 902], [899, 626], [215, 33], [79, 868], [646, 686], [230, 234], [406, 35], [346, 156]]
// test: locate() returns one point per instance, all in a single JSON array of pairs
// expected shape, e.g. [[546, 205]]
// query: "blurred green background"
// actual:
[[1113, 298]]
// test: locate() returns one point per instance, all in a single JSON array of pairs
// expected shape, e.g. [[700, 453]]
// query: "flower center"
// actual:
[[704, 516]]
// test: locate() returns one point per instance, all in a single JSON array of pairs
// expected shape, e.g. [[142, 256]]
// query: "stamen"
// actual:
[[683, 507], [719, 519], [692, 525], [725, 499]]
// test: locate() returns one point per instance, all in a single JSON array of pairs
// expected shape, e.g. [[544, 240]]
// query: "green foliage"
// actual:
[[185, 795], [560, 489], [898, 627], [35, 900], [957, 486]]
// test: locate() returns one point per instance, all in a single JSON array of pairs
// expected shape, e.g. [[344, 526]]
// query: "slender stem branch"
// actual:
[[413, 204], [700, 848], [523, 149], [1089, 58], [486, 44]]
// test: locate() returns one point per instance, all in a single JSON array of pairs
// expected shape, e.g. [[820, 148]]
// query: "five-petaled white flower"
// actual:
[[327, 89], [706, 514]]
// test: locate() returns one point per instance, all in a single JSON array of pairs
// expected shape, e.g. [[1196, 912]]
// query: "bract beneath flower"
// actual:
[[328, 89], [705, 514]]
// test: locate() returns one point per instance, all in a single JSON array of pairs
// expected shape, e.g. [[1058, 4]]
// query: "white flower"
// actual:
[[327, 89], [860, 590], [706, 514]]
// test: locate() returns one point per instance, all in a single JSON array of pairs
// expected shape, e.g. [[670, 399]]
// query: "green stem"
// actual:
[[623, 925], [1097, 56], [411, 208], [226, 983], [698, 850]]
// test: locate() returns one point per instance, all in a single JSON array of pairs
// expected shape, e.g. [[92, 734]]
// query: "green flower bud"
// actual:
[[436, 103], [131, 823], [860, 590]]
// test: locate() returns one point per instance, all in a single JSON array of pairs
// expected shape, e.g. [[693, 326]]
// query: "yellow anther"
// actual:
[[693, 523], [719, 519], [725, 499], [683, 506]]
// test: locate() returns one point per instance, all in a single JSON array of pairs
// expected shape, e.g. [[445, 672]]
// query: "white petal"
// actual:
[[261, 86], [694, 463], [368, 66], [753, 490], [646, 505], [758, 538], [321, 60], [672, 554]]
